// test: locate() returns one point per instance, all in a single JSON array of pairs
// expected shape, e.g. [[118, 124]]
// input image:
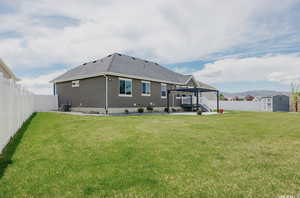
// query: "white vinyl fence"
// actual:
[[43, 103], [16, 106], [227, 105], [239, 105]]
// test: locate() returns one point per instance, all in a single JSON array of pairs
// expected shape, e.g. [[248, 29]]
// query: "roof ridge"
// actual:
[[149, 61], [110, 64]]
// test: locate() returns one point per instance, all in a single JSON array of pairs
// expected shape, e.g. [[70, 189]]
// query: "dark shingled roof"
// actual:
[[120, 64]]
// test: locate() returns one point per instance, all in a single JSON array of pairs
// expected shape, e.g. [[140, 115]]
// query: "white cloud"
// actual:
[[274, 68], [40, 85], [166, 31]]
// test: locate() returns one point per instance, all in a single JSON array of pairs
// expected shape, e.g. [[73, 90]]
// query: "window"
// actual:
[[146, 88], [178, 96], [163, 91], [75, 83], [125, 87]]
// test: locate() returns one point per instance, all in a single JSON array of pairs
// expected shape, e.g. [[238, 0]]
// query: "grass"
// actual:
[[232, 155]]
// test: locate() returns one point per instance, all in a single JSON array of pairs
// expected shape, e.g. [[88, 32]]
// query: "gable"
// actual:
[[191, 83]]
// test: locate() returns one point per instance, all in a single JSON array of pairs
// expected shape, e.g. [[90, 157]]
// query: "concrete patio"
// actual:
[[137, 114]]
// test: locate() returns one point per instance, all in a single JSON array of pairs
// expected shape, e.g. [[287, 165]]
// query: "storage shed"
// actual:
[[278, 103]]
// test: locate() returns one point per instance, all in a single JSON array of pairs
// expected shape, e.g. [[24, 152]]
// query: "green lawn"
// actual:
[[232, 155]]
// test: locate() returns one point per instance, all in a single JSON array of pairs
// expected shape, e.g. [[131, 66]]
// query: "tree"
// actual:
[[222, 97], [295, 95]]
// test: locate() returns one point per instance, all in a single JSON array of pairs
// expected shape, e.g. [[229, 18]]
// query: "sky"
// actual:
[[234, 45]]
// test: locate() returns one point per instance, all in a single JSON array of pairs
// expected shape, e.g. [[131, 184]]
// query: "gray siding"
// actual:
[[90, 93], [116, 101]]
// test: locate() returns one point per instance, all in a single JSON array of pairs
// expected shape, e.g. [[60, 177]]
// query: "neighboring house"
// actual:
[[235, 98], [256, 99], [276, 103], [119, 82], [6, 72], [249, 98]]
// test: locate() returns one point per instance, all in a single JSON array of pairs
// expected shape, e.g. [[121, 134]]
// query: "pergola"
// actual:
[[193, 90]]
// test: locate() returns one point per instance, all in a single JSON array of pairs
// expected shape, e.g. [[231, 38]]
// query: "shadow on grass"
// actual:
[[10, 148]]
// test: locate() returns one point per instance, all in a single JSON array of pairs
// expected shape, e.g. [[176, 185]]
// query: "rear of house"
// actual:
[[119, 82]]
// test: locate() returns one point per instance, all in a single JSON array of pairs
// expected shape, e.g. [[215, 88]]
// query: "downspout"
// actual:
[[54, 89], [106, 95]]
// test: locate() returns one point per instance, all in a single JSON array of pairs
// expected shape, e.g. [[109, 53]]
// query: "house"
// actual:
[[249, 98], [119, 82], [256, 99], [235, 98], [278, 103], [5, 72]]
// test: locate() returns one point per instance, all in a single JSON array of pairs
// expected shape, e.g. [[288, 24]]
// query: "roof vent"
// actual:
[[95, 61], [84, 63]]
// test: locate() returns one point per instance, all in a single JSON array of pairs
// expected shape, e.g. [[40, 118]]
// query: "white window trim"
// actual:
[[143, 94], [163, 84], [125, 95]]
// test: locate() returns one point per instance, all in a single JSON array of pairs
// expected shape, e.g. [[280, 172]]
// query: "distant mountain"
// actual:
[[255, 93]]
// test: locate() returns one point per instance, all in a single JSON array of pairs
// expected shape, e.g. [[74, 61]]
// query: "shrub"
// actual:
[[126, 111], [167, 109], [174, 110], [149, 108], [94, 112], [140, 110], [199, 112]]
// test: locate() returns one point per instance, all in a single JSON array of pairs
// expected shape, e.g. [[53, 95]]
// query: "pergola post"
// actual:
[[192, 106], [218, 101], [168, 103], [197, 93]]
